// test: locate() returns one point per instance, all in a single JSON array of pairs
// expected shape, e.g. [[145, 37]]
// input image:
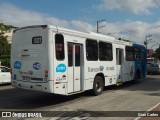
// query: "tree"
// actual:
[[157, 53], [4, 45]]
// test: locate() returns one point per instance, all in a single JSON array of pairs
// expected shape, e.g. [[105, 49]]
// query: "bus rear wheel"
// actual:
[[98, 85], [137, 76]]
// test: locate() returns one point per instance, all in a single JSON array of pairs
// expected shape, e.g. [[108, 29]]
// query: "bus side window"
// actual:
[[129, 53], [59, 46], [105, 51], [137, 54], [91, 50]]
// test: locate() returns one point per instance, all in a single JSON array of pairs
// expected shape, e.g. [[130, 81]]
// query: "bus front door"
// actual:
[[74, 67]]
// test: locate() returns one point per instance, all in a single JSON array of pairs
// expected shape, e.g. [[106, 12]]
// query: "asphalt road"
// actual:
[[141, 96]]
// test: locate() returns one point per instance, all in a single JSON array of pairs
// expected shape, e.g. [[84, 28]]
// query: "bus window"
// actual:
[[137, 54], [91, 50], [59, 46], [70, 55], [129, 53], [105, 51], [77, 55]]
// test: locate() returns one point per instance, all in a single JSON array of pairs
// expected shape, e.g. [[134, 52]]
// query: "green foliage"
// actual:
[[157, 53], [4, 28], [5, 47], [5, 62]]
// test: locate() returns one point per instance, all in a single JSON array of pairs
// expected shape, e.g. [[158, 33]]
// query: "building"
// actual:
[[149, 53], [9, 34]]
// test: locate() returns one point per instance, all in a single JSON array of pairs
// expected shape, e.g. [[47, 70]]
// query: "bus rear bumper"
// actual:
[[44, 87]]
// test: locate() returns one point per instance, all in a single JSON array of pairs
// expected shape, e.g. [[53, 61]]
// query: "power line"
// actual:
[[156, 2]]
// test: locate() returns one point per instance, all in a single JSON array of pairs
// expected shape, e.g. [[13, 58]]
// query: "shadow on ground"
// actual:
[[25, 99]]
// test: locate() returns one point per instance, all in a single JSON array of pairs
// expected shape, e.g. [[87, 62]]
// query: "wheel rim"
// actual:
[[98, 86]]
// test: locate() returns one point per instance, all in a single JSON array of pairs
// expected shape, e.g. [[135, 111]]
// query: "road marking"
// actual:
[[154, 107], [148, 110]]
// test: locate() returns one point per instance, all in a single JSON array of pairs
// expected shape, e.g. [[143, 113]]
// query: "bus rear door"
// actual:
[[119, 64]]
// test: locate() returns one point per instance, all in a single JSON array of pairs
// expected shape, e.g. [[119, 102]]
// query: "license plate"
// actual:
[[26, 78]]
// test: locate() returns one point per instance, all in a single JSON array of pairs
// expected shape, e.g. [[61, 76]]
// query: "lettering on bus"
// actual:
[[30, 72], [101, 68], [110, 68], [61, 78], [61, 68]]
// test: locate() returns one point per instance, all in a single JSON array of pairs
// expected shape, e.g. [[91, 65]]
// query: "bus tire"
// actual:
[[98, 85], [138, 75]]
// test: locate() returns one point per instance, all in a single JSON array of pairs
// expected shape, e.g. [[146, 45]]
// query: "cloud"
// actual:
[[82, 26], [132, 30], [129, 30], [13, 15], [133, 6]]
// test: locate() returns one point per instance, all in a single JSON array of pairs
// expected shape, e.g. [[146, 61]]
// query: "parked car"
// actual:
[[151, 60], [5, 75], [153, 68]]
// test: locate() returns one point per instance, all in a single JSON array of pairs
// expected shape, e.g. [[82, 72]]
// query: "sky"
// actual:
[[127, 19]]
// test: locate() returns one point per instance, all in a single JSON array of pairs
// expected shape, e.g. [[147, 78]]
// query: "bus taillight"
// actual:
[[46, 73]]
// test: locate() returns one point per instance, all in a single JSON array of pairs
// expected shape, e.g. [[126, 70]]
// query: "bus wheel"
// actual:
[[138, 76], [98, 85]]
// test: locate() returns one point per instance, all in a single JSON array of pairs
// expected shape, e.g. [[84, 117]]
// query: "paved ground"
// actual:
[[141, 96]]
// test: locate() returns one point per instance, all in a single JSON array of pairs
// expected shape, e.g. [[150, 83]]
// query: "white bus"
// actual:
[[63, 61]]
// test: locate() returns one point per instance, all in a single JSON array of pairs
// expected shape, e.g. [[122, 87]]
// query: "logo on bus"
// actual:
[[37, 66], [110, 68], [61, 68], [101, 68], [17, 65]]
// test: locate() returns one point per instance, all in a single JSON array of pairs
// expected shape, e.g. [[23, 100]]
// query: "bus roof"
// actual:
[[89, 35]]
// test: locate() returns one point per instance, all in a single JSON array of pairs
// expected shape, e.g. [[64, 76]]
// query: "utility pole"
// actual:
[[99, 26], [147, 40]]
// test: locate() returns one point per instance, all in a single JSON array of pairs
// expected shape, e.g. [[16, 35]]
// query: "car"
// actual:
[[5, 75], [151, 60], [153, 68]]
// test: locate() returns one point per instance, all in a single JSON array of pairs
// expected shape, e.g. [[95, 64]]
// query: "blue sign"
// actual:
[[37, 66], [17, 65], [61, 68]]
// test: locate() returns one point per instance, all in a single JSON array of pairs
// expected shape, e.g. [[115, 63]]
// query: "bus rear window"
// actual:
[[59, 46]]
